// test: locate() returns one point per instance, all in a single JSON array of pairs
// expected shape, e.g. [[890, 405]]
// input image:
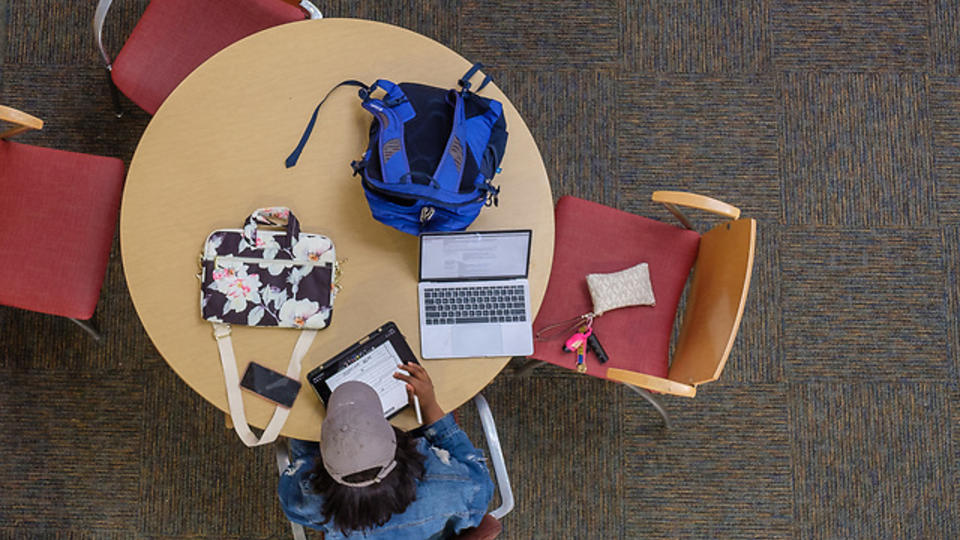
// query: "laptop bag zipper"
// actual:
[[284, 262]]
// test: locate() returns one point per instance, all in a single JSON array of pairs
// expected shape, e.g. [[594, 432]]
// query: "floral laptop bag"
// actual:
[[266, 278], [257, 277]]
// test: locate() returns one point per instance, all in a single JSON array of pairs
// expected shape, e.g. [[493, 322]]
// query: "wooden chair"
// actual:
[[592, 238], [58, 215], [173, 37], [490, 527]]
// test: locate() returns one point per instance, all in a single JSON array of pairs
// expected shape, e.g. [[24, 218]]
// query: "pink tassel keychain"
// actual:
[[578, 341]]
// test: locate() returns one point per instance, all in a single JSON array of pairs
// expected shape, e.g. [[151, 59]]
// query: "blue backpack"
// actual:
[[432, 153]]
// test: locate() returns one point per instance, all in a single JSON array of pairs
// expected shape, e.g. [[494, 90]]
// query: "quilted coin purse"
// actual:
[[630, 287]]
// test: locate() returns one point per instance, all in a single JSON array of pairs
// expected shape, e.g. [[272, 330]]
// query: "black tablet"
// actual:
[[372, 360]]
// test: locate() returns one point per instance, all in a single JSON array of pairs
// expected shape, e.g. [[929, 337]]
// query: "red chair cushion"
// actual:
[[488, 529], [595, 239], [173, 37], [58, 214]]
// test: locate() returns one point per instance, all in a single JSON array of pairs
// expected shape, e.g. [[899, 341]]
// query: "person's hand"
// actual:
[[420, 385]]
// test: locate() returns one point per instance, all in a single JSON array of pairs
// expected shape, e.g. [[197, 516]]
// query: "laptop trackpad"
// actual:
[[478, 337]]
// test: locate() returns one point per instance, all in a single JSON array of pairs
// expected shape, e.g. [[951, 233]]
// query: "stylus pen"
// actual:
[[416, 406]]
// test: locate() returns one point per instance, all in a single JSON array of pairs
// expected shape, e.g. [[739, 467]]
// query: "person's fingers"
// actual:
[[418, 371], [414, 368], [403, 377], [411, 393]]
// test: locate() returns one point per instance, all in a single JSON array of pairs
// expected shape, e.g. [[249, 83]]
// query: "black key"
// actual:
[[463, 320]]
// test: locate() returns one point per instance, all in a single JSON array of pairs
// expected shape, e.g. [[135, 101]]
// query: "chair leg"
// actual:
[[653, 401], [298, 532], [114, 95], [530, 365], [89, 326], [283, 459]]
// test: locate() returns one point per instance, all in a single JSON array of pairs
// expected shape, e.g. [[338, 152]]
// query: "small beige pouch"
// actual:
[[630, 287]]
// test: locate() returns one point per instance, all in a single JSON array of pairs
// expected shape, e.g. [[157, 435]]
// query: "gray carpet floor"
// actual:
[[835, 124]]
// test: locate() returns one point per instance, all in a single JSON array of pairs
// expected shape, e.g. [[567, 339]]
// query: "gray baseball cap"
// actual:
[[355, 436]]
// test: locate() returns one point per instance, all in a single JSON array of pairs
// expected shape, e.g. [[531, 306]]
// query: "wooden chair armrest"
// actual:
[[23, 120], [673, 199], [650, 382]]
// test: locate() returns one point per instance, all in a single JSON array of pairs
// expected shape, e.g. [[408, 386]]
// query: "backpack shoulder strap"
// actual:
[[295, 155], [464, 81], [391, 112], [468, 136]]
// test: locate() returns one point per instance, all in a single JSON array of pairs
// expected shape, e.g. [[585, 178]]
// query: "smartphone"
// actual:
[[271, 385]]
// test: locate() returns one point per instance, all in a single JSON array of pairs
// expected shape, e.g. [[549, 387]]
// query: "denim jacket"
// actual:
[[452, 495]]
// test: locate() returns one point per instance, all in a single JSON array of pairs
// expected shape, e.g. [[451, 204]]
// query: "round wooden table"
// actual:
[[215, 151]]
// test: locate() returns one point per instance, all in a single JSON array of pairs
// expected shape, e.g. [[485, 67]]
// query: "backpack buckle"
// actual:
[[365, 91], [493, 194], [426, 213], [357, 166], [465, 80]]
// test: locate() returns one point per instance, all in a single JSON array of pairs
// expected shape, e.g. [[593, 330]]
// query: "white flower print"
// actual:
[[269, 245], [255, 315], [264, 242], [319, 320], [298, 313], [249, 231], [231, 279], [273, 295], [295, 276], [210, 249], [312, 248]]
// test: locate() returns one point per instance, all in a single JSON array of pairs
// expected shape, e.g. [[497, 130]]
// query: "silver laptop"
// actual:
[[474, 294]]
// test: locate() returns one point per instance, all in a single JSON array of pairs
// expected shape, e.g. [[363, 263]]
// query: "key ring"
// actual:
[[564, 327]]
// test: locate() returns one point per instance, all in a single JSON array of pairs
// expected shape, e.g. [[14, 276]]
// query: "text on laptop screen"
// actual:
[[480, 255]]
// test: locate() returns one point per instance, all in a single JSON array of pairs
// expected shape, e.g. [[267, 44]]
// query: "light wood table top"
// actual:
[[215, 151]]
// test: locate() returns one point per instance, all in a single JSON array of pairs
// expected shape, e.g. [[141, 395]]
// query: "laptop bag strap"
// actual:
[[231, 377]]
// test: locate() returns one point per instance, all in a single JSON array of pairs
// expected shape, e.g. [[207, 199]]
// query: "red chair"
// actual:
[[173, 37], [58, 214], [592, 238], [488, 529]]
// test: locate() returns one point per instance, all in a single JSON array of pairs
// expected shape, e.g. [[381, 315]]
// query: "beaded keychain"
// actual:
[[578, 341]]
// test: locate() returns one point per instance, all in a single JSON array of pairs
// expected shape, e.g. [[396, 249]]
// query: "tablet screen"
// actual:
[[376, 369], [372, 360]]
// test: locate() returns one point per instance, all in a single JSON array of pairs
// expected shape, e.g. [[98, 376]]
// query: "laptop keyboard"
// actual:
[[474, 304]]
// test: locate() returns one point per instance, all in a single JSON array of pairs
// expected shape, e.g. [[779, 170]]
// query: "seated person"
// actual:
[[368, 479]]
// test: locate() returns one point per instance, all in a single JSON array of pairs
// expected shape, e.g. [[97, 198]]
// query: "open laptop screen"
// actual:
[[474, 255]]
